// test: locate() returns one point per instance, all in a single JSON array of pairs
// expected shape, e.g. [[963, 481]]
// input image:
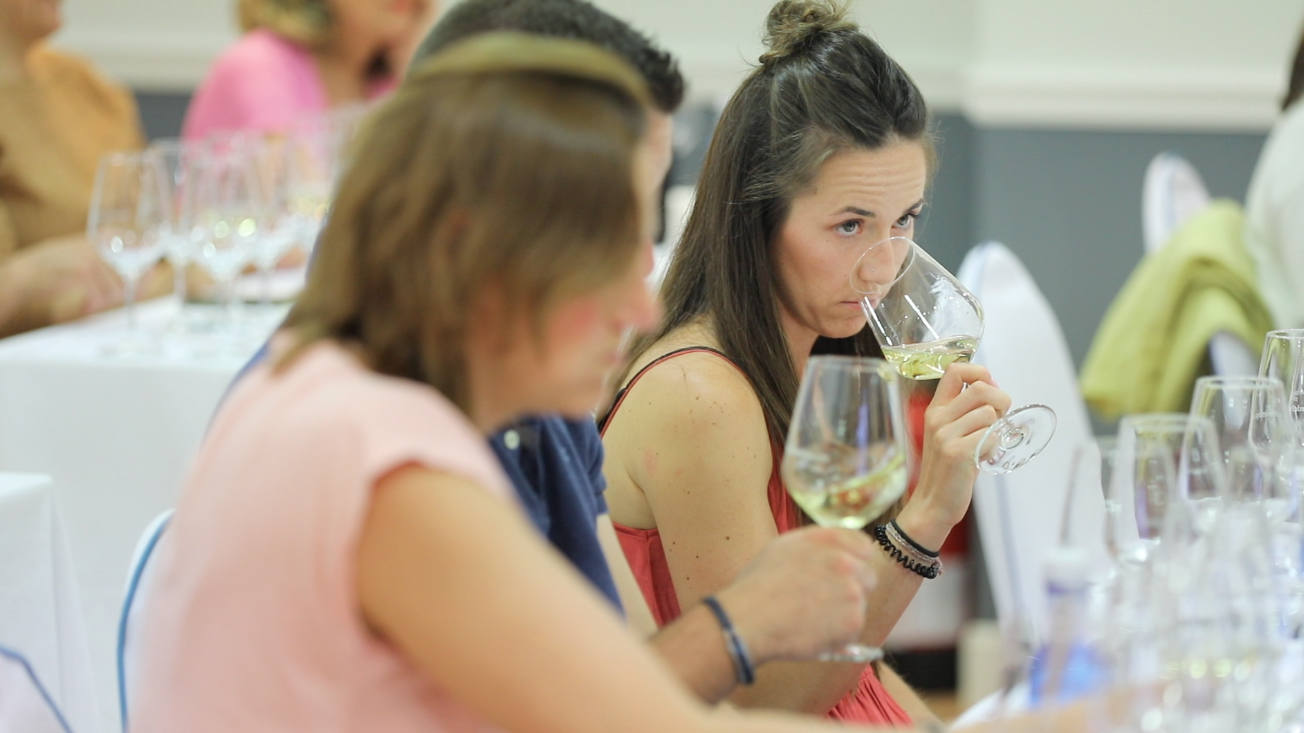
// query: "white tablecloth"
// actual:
[[40, 613], [117, 435]]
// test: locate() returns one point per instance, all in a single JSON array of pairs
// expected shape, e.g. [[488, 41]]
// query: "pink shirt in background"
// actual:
[[262, 83], [251, 619]]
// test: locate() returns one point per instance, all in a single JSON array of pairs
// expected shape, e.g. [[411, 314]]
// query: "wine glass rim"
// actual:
[[1235, 380], [115, 157], [911, 254], [1157, 418], [864, 362], [1286, 333]]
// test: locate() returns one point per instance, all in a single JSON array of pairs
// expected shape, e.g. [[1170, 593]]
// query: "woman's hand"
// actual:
[[57, 280], [804, 594], [966, 403]]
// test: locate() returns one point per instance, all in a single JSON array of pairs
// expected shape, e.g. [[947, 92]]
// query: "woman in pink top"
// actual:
[[346, 554], [300, 58]]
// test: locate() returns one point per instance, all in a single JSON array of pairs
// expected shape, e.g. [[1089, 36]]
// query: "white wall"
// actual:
[[1171, 64], [1126, 63], [158, 45]]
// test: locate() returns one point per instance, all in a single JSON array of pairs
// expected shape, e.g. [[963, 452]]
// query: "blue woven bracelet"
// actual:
[[733, 643]]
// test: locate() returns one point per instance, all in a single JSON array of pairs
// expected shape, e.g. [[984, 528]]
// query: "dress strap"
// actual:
[[624, 391]]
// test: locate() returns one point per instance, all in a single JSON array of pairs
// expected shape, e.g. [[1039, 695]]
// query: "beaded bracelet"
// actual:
[[907, 552], [901, 534], [733, 643]]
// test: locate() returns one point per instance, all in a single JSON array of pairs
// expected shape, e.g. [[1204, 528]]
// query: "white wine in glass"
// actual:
[[925, 320], [844, 462], [821, 489], [929, 360]]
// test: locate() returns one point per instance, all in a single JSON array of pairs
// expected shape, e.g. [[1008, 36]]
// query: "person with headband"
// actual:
[[555, 462], [346, 553]]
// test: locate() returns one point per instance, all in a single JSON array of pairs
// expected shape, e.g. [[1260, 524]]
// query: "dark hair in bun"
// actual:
[[794, 25]]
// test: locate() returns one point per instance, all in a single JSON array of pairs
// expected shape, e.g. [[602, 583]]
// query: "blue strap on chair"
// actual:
[[152, 535], [45, 694]]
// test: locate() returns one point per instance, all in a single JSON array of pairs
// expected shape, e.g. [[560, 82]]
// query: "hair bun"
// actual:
[[793, 25]]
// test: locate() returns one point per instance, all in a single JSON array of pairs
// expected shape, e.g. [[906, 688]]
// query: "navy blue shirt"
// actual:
[[556, 467]]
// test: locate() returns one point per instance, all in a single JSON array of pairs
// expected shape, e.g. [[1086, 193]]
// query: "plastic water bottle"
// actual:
[[1068, 665]]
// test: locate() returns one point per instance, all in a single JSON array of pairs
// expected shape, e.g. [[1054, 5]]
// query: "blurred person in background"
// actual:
[[60, 115], [1274, 207], [299, 59]]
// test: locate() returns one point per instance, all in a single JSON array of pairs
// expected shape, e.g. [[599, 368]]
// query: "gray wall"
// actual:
[[1069, 204], [162, 112]]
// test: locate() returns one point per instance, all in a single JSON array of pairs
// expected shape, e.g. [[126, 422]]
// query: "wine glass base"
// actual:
[[859, 653], [1015, 439]]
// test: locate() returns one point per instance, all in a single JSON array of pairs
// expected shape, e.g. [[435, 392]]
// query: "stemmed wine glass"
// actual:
[[1283, 359], [229, 209], [1249, 415], [1167, 484], [312, 156], [177, 161], [925, 319], [128, 214], [845, 458]]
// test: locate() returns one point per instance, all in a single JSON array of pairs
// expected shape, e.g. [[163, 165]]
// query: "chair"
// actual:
[[130, 619], [1019, 513], [1170, 194], [1173, 191], [25, 704]]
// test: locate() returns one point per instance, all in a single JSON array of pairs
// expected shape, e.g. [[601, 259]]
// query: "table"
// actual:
[[40, 613], [116, 434]]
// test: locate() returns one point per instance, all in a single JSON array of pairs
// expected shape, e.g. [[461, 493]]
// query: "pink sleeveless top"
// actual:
[[868, 702]]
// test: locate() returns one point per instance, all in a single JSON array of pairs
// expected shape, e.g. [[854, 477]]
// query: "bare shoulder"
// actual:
[[700, 389], [693, 412]]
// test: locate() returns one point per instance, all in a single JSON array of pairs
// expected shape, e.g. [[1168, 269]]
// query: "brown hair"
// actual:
[[577, 20], [503, 163], [822, 87], [1295, 87]]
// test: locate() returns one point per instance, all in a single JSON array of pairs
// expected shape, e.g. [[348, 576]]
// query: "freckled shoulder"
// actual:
[[689, 413]]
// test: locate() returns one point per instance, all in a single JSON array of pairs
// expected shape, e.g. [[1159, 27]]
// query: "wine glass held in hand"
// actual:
[[844, 462], [925, 320]]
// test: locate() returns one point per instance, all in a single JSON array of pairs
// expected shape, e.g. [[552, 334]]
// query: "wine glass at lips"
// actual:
[[844, 462], [925, 319]]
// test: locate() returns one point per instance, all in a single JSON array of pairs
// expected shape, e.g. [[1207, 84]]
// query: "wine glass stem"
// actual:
[[129, 302], [265, 298], [230, 305], [179, 282]]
